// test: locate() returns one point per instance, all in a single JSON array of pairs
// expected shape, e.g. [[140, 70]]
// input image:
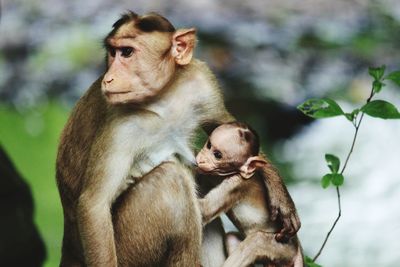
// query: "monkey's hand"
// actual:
[[287, 214]]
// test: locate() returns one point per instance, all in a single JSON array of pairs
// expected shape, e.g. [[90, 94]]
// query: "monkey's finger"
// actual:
[[285, 227], [278, 237], [288, 230], [282, 238], [274, 212], [296, 224]]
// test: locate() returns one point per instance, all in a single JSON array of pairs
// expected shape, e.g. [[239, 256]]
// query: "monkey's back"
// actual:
[[76, 141]]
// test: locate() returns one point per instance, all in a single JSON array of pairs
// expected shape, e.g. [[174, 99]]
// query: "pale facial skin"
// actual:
[[140, 64], [227, 152]]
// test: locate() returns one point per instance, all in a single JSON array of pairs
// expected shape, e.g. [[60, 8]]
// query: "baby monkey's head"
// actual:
[[231, 148]]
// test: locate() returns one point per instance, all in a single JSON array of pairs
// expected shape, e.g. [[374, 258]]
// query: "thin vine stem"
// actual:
[[332, 227], [357, 128]]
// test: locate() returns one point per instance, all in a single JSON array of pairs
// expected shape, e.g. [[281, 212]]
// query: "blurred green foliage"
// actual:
[[30, 138]]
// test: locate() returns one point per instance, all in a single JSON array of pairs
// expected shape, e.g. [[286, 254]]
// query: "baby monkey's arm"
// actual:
[[281, 204], [221, 198]]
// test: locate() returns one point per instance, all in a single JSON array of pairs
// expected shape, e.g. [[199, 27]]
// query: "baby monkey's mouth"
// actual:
[[218, 172]]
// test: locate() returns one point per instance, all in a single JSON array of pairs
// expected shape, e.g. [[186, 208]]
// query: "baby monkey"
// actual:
[[232, 155]]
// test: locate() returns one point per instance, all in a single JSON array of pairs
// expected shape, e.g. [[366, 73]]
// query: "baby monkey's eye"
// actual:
[[208, 144], [217, 154]]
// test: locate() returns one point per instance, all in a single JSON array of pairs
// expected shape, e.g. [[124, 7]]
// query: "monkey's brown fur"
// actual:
[[141, 112]]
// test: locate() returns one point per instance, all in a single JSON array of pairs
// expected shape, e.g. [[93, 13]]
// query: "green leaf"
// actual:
[[333, 162], [337, 179], [377, 73], [351, 116], [326, 180], [394, 77], [320, 108], [381, 109], [309, 262], [377, 86]]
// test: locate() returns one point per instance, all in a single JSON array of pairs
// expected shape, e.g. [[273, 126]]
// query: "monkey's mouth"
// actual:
[[215, 172], [110, 94], [118, 97]]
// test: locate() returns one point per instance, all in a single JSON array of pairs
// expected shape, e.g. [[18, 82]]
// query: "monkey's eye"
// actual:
[[217, 154], [209, 144], [126, 51], [111, 50]]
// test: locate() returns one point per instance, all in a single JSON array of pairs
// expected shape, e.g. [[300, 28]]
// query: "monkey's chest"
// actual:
[[249, 216], [146, 140]]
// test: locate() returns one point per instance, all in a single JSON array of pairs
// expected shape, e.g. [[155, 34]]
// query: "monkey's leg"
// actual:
[[71, 251], [232, 241], [299, 258], [213, 252], [182, 253], [260, 246]]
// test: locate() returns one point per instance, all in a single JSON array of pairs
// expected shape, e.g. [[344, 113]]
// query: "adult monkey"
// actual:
[[144, 109]]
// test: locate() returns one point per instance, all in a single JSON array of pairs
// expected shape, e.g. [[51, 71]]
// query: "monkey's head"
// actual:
[[231, 148], [143, 53]]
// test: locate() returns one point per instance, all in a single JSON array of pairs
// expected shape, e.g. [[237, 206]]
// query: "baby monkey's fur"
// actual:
[[232, 151]]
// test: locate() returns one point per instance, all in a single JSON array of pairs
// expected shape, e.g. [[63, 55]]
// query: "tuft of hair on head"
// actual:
[[125, 18], [146, 23], [154, 22], [249, 135]]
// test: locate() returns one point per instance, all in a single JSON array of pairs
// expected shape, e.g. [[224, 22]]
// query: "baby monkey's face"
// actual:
[[230, 150], [224, 152]]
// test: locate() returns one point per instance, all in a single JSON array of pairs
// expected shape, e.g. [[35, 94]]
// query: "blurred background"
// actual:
[[269, 57]]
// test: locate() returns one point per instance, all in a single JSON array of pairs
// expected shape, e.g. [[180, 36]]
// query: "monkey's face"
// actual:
[[224, 152], [228, 152], [141, 64]]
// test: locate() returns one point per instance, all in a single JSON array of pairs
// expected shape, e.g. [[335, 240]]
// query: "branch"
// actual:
[[357, 127]]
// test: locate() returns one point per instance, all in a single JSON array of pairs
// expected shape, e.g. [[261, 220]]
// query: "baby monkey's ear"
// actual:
[[251, 165]]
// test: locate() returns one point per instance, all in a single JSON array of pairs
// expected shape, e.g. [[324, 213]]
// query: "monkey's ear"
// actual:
[[251, 165], [183, 42]]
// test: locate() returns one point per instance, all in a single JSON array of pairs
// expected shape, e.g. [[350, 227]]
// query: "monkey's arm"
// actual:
[[281, 204], [96, 231], [221, 198], [104, 181]]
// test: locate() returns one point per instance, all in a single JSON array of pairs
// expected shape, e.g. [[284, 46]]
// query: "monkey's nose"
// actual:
[[108, 80], [198, 160]]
